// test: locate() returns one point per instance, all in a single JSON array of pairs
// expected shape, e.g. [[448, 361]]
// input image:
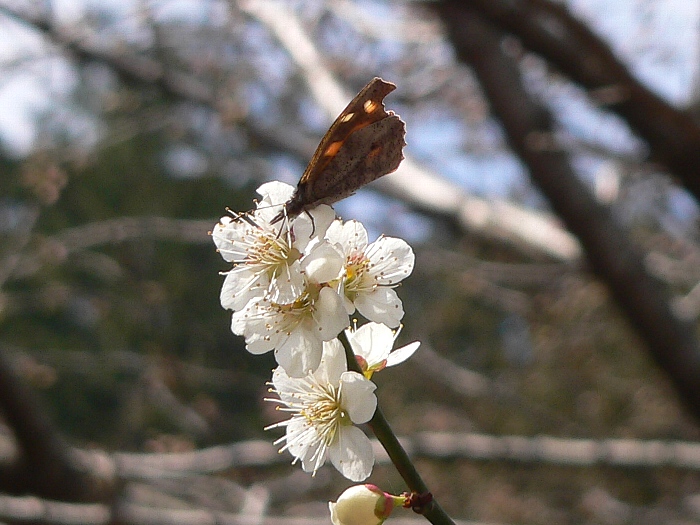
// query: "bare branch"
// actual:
[[426, 191], [35, 510], [671, 341], [46, 465], [10, 263], [549, 29], [558, 451], [412, 183], [125, 228]]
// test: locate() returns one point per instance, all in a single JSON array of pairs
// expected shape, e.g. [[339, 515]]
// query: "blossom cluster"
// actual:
[[292, 288]]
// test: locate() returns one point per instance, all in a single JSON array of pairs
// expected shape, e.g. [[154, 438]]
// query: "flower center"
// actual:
[[325, 413], [271, 250], [293, 314], [356, 269]]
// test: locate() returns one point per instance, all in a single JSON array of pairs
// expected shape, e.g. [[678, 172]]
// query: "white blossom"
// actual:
[[296, 330], [266, 257], [372, 344], [371, 271], [325, 405], [294, 284]]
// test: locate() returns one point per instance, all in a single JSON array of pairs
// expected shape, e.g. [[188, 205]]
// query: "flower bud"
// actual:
[[363, 505]]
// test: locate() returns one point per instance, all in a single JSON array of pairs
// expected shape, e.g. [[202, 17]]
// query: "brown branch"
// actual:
[[46, 465], [464, 386], [140, 69], [124, 228], [671, 341], [10, 263], [166, 500], [169, 469], [498, 220], [83, 363], [550, 30]]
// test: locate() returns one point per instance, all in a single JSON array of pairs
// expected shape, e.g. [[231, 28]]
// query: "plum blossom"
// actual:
[[293, 285], [371, 271], [267, 260], [325, 405], [295, 331], [372, 344]]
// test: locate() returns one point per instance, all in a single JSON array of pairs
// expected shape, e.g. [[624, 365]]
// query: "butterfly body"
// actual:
[[364, 143]]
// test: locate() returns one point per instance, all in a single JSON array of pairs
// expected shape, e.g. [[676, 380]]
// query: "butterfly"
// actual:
[[364, 143]]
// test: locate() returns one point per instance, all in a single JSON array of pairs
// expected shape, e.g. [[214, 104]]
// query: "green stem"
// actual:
[[380, 426]]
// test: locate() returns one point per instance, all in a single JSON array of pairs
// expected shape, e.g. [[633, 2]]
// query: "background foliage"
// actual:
[[133, 126]]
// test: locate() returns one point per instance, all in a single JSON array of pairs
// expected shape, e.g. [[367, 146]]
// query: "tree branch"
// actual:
[[550, 30], [46, 465], [671, 341]]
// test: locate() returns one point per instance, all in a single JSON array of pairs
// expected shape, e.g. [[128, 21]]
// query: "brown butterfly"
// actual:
[[364, 143]]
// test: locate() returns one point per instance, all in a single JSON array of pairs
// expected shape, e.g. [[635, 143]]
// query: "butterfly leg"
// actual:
[[313, 223]]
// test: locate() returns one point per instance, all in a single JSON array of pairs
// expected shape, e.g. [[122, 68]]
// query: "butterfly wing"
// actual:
[[362, 144], [367, 154], [363, 110]]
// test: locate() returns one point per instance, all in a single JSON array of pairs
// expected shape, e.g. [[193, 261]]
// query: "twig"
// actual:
[[433, 512], [29, 509], [672, 134]]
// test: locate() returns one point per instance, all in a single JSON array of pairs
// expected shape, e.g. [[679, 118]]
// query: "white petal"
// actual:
[[253, 326], [311, 225], [276, 192], [349, 305], [240, 286], [357, 397], [221, 237], [330, 314], [334, 231], [258, 345], [274, 195], [322, 215], [352, 236], [323, 263], [239, 322], [381, 306], [333, 363], [284, 385], [228, 237], [311, 462], [303, 443], [373, 341], [289, 285], [352, 454], [397, 260], [304, 231], [300, 353], [401, 354]]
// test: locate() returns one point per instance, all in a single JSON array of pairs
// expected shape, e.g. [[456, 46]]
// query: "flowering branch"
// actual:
[[292, 288], [382, 430]]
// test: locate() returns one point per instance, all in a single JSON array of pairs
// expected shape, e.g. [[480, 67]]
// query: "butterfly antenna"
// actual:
[[245, 216]]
